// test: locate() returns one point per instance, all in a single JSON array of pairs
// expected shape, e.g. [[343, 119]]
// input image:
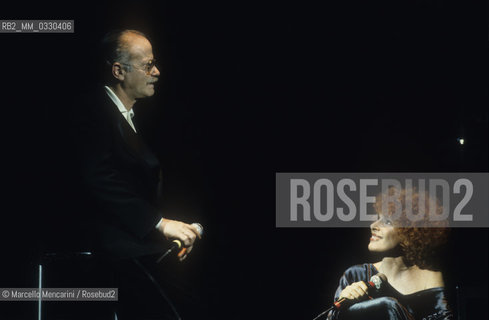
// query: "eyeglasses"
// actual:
[[147, 67]]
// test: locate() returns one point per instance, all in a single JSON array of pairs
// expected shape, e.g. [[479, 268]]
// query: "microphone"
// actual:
[[200, 230], [376, 282], [199, 227], [177, 244]]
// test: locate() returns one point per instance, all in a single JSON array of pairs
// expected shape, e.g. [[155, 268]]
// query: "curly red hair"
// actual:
[[421, 240]]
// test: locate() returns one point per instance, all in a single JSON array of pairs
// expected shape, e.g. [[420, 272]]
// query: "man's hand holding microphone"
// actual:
[[184, 235]]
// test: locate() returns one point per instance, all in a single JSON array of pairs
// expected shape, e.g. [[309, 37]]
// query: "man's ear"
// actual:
[[117, 71]]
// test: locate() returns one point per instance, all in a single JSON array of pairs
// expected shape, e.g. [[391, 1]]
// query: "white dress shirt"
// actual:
[[126, 114]]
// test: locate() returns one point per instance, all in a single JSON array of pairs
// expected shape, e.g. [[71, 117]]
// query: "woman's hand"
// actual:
[[354, 291]]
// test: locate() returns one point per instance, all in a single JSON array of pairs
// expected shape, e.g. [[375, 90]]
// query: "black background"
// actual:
[[249, 89]]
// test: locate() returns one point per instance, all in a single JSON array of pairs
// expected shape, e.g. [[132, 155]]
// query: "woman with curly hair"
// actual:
[[408, 240]]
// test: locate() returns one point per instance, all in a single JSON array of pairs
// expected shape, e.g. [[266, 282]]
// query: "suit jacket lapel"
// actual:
[[135, 145], [133, 142]]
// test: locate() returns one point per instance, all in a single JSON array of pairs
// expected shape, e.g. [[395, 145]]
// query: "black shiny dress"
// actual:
[[429, 304]]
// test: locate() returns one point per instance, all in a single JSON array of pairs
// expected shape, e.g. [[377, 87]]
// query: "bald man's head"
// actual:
[[115, 46], [130, 64]]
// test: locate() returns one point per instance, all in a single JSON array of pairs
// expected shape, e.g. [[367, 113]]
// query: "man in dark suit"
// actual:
[[119, 173]]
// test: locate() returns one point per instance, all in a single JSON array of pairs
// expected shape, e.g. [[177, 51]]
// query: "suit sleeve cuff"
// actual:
[[159, 223]]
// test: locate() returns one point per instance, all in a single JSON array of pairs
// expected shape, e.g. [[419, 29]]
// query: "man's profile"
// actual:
[[119, 173]]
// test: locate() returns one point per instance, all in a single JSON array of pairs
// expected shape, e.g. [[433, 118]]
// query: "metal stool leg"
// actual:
[[39, 301]]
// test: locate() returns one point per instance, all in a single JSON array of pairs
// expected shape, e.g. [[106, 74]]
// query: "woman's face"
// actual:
[[384, 235]]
